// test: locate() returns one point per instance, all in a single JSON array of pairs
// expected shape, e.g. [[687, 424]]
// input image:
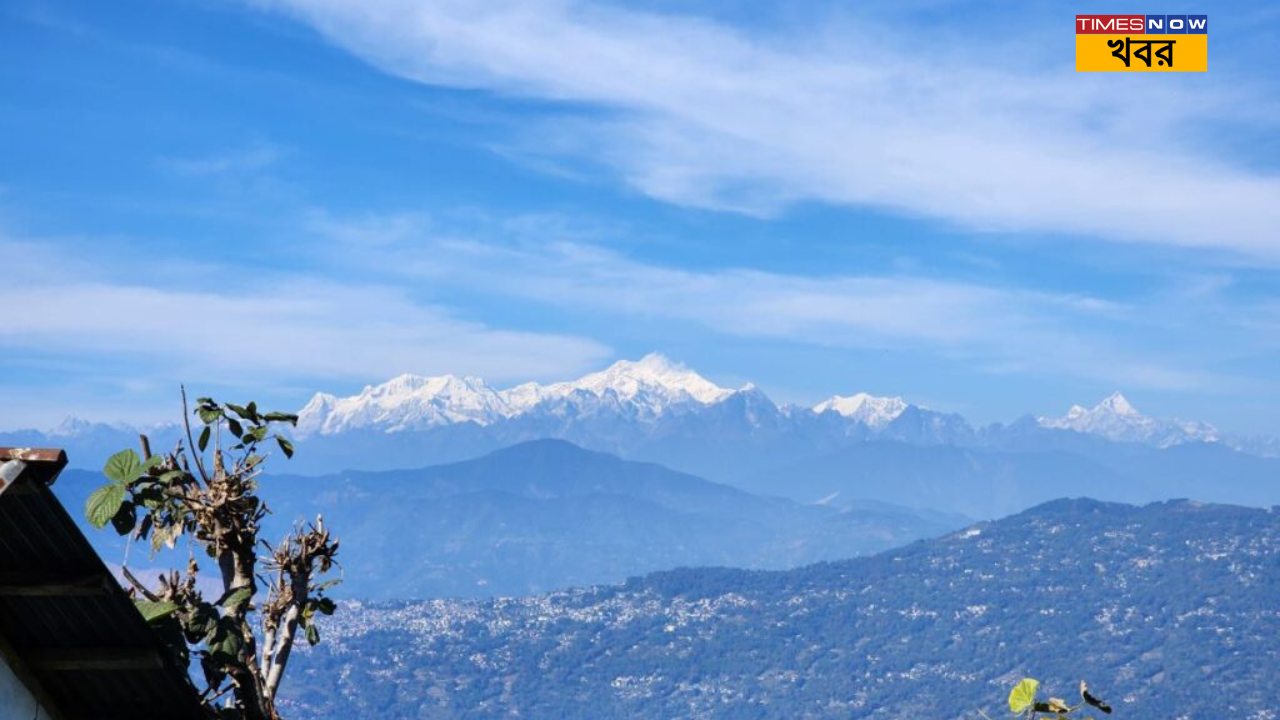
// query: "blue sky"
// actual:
[[265, 199]]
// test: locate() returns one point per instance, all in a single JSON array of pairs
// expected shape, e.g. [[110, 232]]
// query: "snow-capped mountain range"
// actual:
[[653, 388], [657, 410], [874, 412], [1115, 418], [648, 389]]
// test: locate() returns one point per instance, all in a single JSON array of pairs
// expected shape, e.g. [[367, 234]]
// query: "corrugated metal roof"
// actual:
[[65, 618]]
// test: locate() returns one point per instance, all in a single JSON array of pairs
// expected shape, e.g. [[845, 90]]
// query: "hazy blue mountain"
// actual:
[[547, 514], [1168, 610], [988, 482], [974, 481]]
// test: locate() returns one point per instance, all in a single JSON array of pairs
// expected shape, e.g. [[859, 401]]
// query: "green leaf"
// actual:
[[152, 611], [326, 606], [152, 462], [103, 504], [209, 414], [313, 634], [125, 518], [204, 438], [236, 597], [234, 426], [285, 446], [281, 417], [229, 644], [123, 467], [252, 407], [239, 410], [1023, 695]]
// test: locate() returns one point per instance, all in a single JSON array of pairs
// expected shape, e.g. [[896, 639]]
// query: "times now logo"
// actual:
[[1142, 43], [1142, 24]]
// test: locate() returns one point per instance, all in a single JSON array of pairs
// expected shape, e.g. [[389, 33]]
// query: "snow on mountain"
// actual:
[[651, 384], [407, 402], [874, 412], [1115, 418], [70, 427], [648, 387], [653, 389], [73, 427]]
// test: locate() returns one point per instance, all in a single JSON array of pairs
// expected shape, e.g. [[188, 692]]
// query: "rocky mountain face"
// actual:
[[1168, 610]]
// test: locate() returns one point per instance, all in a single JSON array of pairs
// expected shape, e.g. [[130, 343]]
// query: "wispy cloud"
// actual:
[[990, 328], [256, 157], [706, 114], [282, 329]]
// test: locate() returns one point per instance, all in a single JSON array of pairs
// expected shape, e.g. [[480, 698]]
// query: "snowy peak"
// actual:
[[1115, 418], [652, 374], [1117, 404], [874, 412], [70, 427], [648, 387], [654, 389], [405, 402]]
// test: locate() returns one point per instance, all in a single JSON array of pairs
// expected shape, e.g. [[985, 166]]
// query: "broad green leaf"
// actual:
[[252, 407], [209, 415], [152, 462], [1023, 695], [152, 611], [103, 504], [234, 427], [123, 467], [229, 643], [239, 410], [204, 438], [285, 446], [236, 597], [125, 518], [281, 417], [313, 634], [326, 606]]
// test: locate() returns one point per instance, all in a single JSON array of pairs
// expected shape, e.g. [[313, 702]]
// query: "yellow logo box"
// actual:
[[1140, 52]]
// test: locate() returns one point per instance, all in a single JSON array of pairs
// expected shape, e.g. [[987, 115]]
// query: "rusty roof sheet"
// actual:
[[65, 623]]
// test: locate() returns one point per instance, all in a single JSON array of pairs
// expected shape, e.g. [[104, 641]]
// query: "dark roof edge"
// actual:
[[43, 464]]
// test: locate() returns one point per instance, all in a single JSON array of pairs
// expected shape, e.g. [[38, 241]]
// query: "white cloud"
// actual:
[[990, 136], [284, 329], [998, 329]]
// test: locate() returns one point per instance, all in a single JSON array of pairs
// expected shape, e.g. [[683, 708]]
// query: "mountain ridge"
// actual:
[[654, 389], [1167, 608], [547, 514]]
